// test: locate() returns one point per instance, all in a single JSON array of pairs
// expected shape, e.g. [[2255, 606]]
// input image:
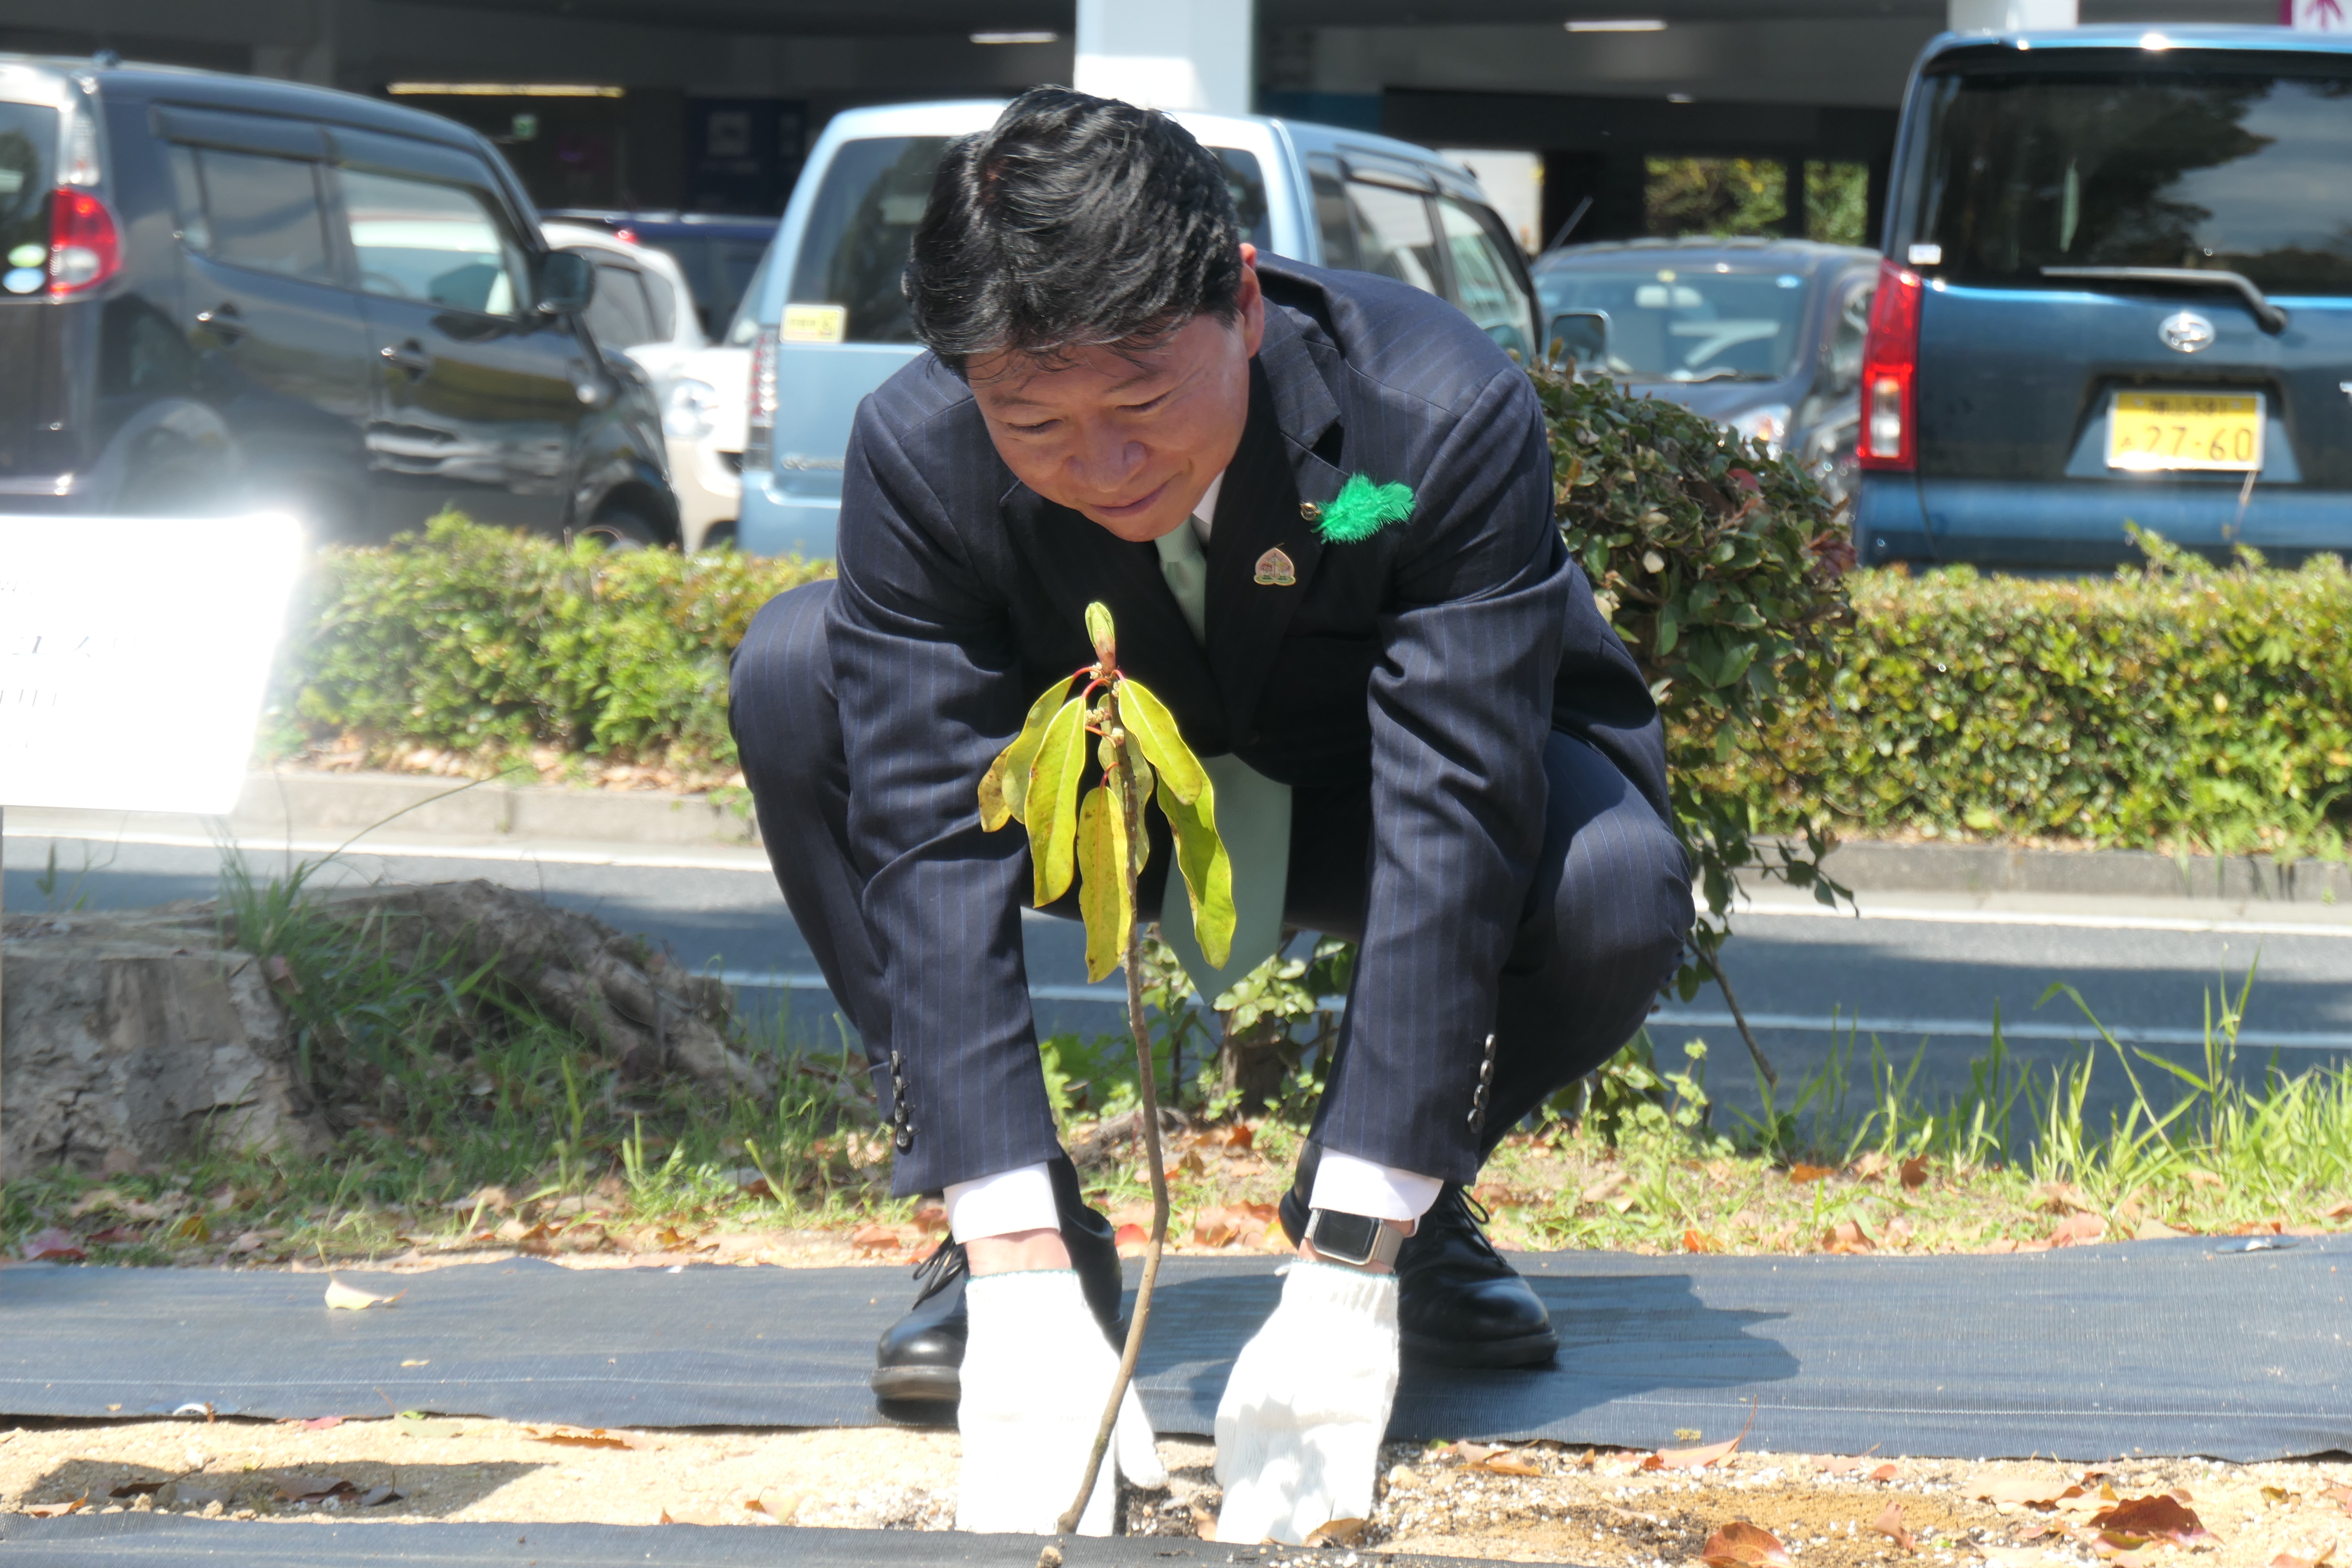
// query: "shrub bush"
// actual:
[[2177, 705], [490, 644]]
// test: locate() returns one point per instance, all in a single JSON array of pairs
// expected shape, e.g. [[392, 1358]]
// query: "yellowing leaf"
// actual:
[[1053, 800], [1208, 872], [350, 1297], [1102, 881], [1740, 1545], [1006, 786], [1147, 719]]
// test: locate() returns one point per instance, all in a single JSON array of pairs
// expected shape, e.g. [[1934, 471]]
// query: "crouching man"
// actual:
[[1319, 506]]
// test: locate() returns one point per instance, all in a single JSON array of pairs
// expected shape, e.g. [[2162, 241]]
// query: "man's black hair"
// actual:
[[1073, 221]]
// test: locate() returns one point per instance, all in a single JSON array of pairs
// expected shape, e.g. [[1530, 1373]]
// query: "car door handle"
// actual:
[[222, 322], [409, 356]]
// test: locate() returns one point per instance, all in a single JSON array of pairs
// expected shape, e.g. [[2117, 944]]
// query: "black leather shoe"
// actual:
[[920, 1358], [1458, 1303]]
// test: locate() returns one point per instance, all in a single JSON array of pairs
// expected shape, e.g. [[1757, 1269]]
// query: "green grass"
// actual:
[[458, 1110]]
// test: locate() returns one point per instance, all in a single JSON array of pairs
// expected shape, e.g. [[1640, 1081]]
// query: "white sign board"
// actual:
[[135, 655], [2316, 16]]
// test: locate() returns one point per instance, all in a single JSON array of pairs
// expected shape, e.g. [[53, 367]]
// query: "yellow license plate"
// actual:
[[2155, 431]]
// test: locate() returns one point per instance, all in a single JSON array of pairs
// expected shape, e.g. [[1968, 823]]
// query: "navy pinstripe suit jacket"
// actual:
[[1426, 663]]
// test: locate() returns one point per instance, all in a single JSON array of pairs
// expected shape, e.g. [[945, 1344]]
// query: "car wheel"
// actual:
[[619, 527]]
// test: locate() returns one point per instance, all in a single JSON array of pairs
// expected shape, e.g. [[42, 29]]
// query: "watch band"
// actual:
[[1342, 1238]]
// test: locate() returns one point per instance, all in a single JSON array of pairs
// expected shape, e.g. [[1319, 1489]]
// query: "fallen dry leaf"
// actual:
[[2018, 1490], [2157, 1517], [1507, 1463], [1890, 1525], [2341, 1211], [2317, 1560], [931, 1218], [55, 1243], [2060, 1197], [1830, 1465], [874, 1238], [596, 1438], [352, 1299], [1337, 1532], [54, 1509], [1699, 1241], [321, 1423], [2341, 1497], [376, 1497], [1870, 1167], [2077, 1230], [1240, 1135], [1915, 1172], [1132, 1235], [1886, 1473], [1799, 1173], [1740, 1545], [1847, 1236], [1606, 1188], [1689, 1458], [2198, 1178]]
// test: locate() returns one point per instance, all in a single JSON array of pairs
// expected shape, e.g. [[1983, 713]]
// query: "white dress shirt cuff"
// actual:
[[1004, 1203], [1347, 1184]]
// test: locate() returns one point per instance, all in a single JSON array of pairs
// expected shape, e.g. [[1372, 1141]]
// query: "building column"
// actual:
[[2011, 15], [1194, 54]]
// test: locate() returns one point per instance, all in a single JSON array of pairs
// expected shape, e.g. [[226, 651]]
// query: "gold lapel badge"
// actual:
[[1275, 571]]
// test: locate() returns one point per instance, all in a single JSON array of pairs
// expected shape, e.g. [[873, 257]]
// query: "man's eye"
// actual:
[[1145, 407], [1039, 428]]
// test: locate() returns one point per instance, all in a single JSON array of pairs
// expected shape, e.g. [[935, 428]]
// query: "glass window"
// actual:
[[745, 326], [2201, 163], [1246, 181], [1485, 284], [1393, 237], [853, 251], [1846, 339], [618, 314], [1700, 321], [263, 213], [28, 139], [441, 245], [1332, 217], [718, 269]]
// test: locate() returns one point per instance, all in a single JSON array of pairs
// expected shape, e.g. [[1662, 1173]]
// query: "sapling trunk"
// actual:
[[1147, 1078]]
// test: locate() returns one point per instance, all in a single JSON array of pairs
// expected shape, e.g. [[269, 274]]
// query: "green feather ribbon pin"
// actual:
[[1362, 509]]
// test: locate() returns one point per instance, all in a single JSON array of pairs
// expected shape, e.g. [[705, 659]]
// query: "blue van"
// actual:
[[2117, 288], [833, 323]]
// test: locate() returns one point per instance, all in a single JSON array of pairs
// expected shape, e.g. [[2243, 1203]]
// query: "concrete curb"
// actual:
[[389, 808]]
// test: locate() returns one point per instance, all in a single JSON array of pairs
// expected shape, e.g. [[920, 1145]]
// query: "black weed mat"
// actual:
[[155, 1543], [2189, 1346]]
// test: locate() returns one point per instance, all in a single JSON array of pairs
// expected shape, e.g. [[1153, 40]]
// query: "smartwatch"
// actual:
[[1356, 1240]]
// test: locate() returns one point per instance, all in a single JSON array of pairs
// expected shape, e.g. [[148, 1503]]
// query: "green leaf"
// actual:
[[1147, 719], [1005, 787], [1053, 799], [1102, 878], [1100, 632], [1208, 873]]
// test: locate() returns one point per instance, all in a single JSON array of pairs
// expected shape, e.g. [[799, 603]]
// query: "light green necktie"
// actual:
[[1253, 816]]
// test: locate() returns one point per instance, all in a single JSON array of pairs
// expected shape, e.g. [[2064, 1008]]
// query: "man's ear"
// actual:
[[1249, 300]]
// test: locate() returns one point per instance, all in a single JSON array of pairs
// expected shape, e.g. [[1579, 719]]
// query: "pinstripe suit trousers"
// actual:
[[1600, 929]]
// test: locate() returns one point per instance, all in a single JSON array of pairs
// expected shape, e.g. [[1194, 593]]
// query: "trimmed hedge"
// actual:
[[2183, 704], [494, 645]]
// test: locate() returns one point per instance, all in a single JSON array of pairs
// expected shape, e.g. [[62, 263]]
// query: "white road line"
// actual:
[[1966, 1029], [1871, 909], [714, 860], [2017, 1030]]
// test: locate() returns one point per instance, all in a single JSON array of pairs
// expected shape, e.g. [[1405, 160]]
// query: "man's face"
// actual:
[[1129, 439]]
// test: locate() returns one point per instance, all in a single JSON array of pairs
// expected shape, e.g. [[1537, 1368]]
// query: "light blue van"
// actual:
[[833, 323]]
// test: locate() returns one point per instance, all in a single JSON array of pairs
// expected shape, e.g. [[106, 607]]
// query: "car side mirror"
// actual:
[[567, 281], [1579, 337]]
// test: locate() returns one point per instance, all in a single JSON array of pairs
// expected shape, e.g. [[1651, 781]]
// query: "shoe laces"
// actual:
[[938, 1271], [1467, 1214]]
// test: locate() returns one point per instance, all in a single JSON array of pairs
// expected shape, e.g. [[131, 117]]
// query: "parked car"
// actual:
[[2118, 290], [229, 294], [719, 252], [830, 321], [1763, 335], [644, 308]]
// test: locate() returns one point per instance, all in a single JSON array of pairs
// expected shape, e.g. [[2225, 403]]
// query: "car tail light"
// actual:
[[84, 249], [1890, 367], [760, 431]]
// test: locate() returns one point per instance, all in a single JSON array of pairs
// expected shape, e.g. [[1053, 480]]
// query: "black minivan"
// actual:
[[2117, 288], [228, 294]]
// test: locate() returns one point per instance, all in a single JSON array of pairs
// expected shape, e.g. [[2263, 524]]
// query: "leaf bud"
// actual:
[[1099, 631]]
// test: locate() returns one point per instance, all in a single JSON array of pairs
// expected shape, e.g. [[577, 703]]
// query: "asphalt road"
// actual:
[[1926, 986]]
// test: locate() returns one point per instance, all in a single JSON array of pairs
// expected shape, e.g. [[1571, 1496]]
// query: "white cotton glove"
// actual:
[[1037, 1371], [1299, 1428]]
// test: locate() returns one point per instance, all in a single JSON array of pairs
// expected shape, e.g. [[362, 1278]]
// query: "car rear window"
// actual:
[[28, 139], [1693, 321], [717, 267], [2204, 161]]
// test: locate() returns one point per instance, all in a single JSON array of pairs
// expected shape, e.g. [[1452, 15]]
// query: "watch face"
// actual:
[[1347, 1236]]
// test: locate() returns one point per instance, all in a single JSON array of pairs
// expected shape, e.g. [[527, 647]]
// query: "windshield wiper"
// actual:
[[2269, 316]]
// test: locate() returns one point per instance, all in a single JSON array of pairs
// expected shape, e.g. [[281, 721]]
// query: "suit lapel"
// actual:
[[1079, 562], [1258, 510]]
